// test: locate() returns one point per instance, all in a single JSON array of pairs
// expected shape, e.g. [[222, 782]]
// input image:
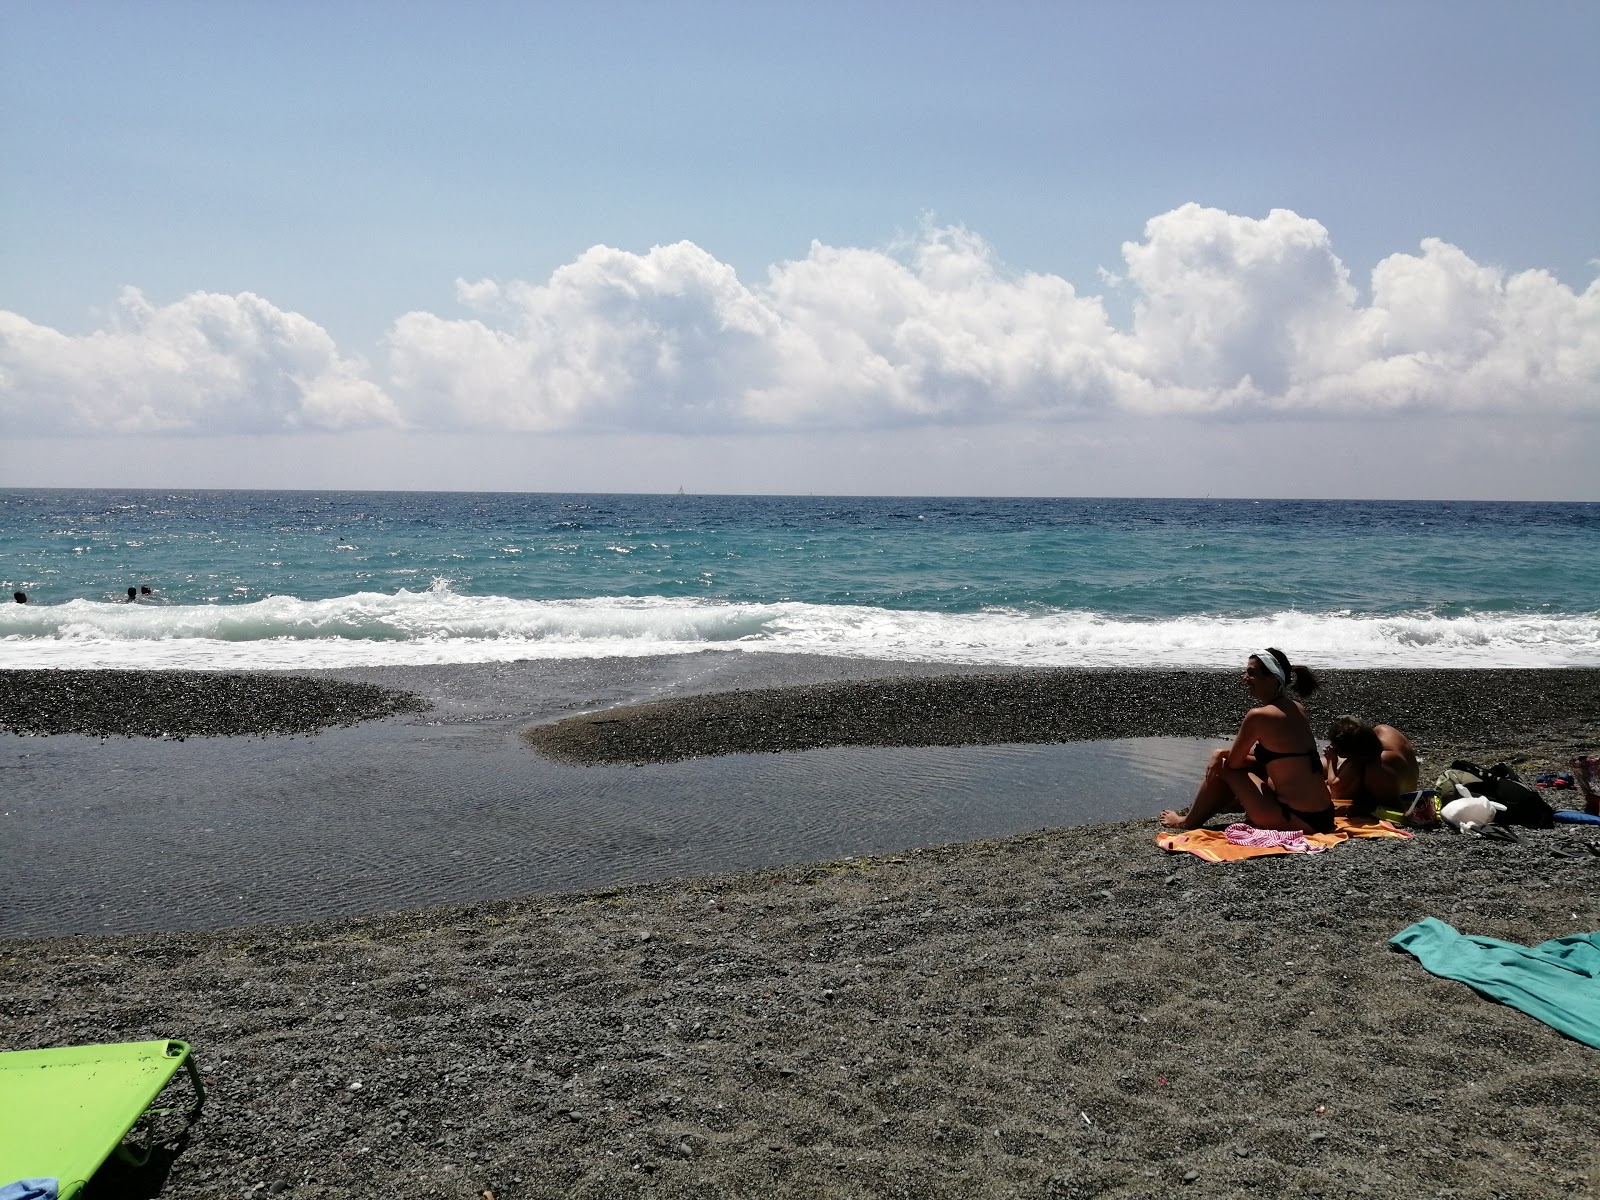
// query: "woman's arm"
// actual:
[[1242, 752]]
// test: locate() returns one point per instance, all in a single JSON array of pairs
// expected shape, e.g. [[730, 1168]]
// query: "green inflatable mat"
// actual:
[[63, 1112], [1556, 981]]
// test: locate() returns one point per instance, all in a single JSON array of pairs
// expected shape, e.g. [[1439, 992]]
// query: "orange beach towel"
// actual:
[[1213, 846]]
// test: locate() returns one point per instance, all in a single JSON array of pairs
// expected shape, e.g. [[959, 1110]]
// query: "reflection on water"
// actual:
[[139, 835]]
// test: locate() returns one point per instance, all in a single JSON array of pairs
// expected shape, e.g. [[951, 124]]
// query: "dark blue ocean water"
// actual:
[[307, 579]]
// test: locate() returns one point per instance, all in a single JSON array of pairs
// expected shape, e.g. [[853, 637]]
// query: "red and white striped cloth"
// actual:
[[1291, 840]]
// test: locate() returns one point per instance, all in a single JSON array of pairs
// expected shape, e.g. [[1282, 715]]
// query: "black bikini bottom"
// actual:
[[1320, 821]]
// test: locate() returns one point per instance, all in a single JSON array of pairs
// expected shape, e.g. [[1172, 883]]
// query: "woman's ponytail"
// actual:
[[1302, 679]]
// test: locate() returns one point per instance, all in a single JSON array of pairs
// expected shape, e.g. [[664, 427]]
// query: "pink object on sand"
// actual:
[[1291, 840], [1587, 768]]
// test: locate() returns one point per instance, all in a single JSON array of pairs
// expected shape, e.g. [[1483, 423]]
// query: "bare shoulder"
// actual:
[[1391, 738], [1258, 717]]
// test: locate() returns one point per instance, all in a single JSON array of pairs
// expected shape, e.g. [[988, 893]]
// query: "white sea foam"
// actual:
[[440, 626]]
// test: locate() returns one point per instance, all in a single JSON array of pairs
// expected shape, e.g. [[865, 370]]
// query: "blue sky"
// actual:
[[348, 164]]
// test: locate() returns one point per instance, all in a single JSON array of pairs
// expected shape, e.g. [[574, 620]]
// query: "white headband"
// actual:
[[1269, 660]]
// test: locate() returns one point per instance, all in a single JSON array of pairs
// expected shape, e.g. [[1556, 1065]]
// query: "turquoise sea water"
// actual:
[[277, 579]]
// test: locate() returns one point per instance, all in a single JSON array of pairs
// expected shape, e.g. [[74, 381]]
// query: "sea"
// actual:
[[283, 579]]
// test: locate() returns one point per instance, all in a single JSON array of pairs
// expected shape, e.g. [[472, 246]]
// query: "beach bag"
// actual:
[[1462, 776], [1501, 783]]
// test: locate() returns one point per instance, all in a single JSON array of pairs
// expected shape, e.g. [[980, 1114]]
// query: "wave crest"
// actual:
[[440, 626]]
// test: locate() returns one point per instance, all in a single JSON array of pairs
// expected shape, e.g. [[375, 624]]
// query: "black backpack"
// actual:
[[1500, 783]]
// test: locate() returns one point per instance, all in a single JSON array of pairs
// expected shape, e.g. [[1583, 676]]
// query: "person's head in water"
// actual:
[[144, 589], [1268, 672], [1353, 738], [133, 594], [20, 597]]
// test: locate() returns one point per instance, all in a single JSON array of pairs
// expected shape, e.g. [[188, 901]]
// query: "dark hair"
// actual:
[[1301, 679], [20, 597], [132, 592], [1354, 738]]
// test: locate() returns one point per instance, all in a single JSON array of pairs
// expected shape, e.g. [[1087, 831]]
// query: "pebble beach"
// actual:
[[1069, 1013]]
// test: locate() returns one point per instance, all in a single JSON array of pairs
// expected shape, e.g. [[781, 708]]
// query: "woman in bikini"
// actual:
[[1273, 771]]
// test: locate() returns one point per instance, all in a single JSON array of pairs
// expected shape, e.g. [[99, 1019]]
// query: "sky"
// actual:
[[1237, 249]]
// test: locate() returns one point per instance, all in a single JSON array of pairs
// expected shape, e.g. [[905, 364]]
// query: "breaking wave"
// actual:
[[440, 626]]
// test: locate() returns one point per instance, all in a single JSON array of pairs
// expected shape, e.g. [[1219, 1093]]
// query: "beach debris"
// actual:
[[1554, 779], [1085, 1117], [1191, 1175], [1319, 1136]]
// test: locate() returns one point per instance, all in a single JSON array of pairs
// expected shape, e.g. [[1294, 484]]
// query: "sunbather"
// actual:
[[1371, 766], [1272, 771]]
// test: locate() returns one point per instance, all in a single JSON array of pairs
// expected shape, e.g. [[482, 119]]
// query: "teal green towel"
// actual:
[[1556, 981]]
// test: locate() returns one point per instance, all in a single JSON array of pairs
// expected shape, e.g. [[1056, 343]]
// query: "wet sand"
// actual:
[[1062, 1014]]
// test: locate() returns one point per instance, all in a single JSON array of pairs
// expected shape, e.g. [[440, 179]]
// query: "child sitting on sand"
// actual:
[[1375, 767], [1272, 771], [1369, 765]]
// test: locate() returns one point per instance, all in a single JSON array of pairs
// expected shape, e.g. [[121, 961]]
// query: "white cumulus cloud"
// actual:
[[672, 340], [205, 363], [1231, 315], [664, 340]]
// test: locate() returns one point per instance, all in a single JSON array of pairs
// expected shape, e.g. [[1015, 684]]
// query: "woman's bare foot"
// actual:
[[1173, 819]]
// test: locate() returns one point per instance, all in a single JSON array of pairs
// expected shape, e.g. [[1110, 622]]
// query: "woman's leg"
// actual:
[[1218, 791], [1232, 789]]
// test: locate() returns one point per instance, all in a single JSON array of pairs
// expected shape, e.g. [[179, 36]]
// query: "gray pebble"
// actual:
[[174, 705]]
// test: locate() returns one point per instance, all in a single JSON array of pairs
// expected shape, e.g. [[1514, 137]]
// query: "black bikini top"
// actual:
[[1263, 756]]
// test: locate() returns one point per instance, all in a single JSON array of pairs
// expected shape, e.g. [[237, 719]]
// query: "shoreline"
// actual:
[[1539, 717], [718, 703], [639, 770], [1070, 1013]]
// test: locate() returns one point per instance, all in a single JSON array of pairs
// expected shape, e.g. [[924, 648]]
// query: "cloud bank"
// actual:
[[1232, 316], [208, 362]]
